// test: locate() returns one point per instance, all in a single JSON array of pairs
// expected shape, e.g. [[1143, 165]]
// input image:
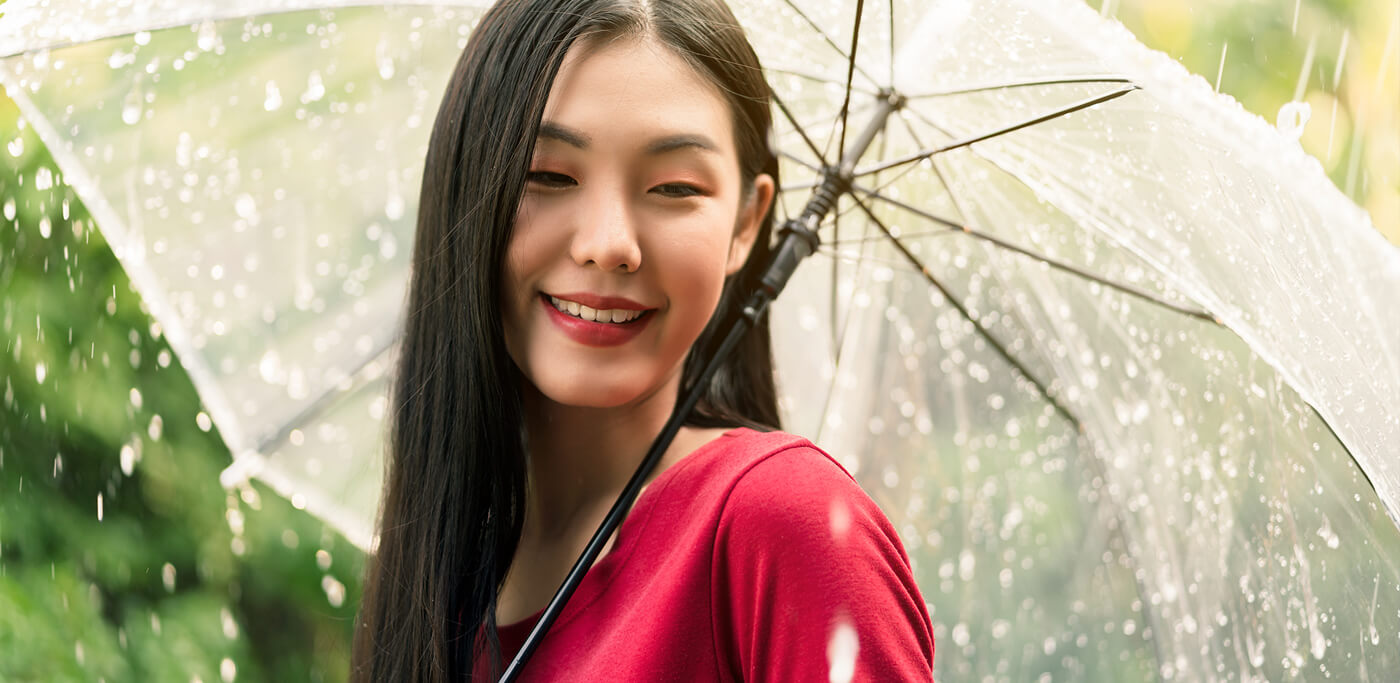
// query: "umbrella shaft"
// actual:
[[798, 236]]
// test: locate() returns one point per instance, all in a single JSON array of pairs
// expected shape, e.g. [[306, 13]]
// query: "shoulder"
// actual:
[[794, 524], [781, 474], [786, 492]]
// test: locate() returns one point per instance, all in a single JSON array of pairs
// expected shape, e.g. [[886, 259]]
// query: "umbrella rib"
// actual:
[[957, 144], [830, 42], [1002, 85], [903, 235], [799, 161], [356, 375], [818, 79], [954, 226], [1097, 464], [967, 315], [892, 47], [850, 73], [787, 113]]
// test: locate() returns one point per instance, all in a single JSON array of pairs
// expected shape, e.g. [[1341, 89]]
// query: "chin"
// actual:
[[589, 394]]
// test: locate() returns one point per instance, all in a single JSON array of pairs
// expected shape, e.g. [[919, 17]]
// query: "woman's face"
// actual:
[[632, 217]]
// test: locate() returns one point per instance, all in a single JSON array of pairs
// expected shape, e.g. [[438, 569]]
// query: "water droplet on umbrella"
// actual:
[[386, 63], [132, 107], [1292, 117], [208, 38], [272, 100], [393, 206], [315, 88]]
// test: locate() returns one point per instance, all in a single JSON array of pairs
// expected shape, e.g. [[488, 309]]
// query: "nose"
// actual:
[[605, 233]]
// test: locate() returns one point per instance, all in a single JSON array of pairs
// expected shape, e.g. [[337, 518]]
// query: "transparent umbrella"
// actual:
[[1113, 354]]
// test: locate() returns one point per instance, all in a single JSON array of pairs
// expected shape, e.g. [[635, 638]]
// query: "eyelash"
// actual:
[[554, 180]]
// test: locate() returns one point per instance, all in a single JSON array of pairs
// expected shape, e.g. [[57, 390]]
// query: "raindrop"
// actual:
[[99, 507], [967, 563], [272, 100], [335, 590], [43, 178], [840, 519], [208, 39], [16, 147], [203, 421], [135, 398], [132, 106], [40, 372], [167, 577], [127, 458], [841, 652], [961, 636], [270, 368], [234, 517], [315, 88], [323, 560], [1292, 117], [45, 227], [227, 670], [386, 63], [393, 206], [156, 428], [183, 146], [9, 208]]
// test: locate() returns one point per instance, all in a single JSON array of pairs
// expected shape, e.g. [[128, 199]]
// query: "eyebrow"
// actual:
[[553, 131]]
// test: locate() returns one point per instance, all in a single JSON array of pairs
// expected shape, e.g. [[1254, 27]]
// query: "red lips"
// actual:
[[596, 334]]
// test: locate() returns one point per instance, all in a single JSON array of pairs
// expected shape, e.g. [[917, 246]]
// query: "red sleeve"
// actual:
[[810, 578]]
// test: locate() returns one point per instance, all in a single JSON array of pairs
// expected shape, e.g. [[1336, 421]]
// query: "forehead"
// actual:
[[634, 88]]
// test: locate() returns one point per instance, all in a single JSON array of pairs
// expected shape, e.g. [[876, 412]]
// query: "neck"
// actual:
[[581, 458]]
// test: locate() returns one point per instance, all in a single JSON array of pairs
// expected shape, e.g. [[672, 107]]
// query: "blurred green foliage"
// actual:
[[121, 556], [1339, 57]]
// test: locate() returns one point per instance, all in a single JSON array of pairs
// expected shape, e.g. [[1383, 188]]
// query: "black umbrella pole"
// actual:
[[797, 243]]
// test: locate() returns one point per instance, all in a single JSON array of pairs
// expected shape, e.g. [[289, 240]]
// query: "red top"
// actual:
[[755, 558]]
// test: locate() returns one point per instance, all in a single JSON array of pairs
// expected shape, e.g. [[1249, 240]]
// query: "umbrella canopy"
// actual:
[[1125, 383]]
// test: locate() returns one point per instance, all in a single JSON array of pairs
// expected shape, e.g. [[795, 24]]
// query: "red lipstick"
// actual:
[[590, 333]]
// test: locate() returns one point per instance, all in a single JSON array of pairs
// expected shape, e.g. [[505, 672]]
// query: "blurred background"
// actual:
[[122, 557]]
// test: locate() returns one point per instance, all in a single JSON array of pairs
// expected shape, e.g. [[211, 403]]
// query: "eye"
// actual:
[[678, 190], [550, 179]]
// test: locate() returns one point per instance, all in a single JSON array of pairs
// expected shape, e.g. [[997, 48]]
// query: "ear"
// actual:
[[750, 218]]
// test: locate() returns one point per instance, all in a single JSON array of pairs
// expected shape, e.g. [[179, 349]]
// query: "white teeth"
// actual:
[[609, 315]]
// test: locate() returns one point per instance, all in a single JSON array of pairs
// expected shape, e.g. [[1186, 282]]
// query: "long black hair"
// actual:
[[454, 495]]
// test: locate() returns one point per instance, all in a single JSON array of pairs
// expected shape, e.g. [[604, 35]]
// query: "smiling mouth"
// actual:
[[611, 316]]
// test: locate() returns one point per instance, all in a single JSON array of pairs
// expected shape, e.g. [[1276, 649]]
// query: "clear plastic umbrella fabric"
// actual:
[[1127, 385]]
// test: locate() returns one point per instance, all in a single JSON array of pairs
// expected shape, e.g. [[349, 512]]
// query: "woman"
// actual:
[[598, 185]]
